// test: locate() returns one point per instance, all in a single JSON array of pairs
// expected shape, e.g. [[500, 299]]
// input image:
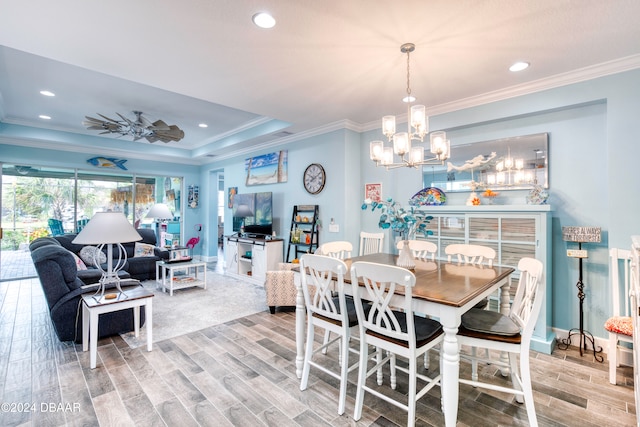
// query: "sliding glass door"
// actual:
[[42, 201]]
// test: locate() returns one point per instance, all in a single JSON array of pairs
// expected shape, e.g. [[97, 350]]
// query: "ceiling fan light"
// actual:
[[47, 93]]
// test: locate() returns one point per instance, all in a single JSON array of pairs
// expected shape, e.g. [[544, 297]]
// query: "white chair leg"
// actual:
[[613, 357], [474, 364], [426, 360], [308, 354], [392, 369], [362, 373], [344, 370], [378, 361], [525, 375], [413, 371], [327, 337], [516, 377]]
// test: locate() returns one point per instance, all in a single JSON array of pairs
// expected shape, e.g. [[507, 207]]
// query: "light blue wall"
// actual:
[[594, 149]]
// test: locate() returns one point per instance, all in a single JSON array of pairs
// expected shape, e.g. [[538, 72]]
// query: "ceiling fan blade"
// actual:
[[160, 125], [126, 120], [109, 119], [144, 121]]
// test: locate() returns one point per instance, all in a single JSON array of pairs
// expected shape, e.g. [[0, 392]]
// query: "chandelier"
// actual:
[[138, 128], [417, 119]]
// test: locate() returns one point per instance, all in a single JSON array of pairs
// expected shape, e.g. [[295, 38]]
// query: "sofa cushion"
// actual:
[[80, 265], [88, 254]]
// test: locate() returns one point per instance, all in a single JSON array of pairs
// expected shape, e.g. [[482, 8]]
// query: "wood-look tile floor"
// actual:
[[242, 373]]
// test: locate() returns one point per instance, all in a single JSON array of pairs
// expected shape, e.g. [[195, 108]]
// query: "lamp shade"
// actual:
[[107, 227], [243, 211], [159, 211]]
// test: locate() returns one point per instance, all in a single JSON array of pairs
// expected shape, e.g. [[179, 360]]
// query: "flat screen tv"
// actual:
[[255, 211]]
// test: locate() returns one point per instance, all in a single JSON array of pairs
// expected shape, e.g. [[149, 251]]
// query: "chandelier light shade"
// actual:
[[108, 229], [417, 129], [138, 128]]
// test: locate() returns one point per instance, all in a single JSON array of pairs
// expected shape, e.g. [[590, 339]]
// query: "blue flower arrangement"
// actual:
[[394, 216]]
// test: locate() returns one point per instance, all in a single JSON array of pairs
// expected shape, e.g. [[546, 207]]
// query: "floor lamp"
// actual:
[[160, 213], [108, 229], [581, 235]]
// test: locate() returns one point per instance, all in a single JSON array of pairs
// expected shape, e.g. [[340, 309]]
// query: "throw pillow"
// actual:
[[88, 254], [143, 249], [80, 265]]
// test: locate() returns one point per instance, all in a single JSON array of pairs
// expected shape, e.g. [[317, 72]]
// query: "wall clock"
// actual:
[[314, 178]]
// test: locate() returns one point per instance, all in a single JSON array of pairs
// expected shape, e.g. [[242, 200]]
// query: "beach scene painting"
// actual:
[[267, 169]]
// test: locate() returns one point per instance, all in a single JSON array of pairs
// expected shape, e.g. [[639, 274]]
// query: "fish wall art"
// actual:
[[107, 162]]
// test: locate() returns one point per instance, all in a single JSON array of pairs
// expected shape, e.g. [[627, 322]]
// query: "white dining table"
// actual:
[[444, 291]]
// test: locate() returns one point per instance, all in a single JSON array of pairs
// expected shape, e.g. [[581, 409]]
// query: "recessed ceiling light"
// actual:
[[44, 117], [263, 20], [203, 125], [47, 93], [519, 66]]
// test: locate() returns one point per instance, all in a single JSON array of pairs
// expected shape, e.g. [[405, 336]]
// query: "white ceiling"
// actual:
[[326, 64]]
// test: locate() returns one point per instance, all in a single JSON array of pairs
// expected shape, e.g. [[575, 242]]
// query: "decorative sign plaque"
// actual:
[[582, 234]]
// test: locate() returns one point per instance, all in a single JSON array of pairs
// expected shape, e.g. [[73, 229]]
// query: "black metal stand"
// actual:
[[585, 336]]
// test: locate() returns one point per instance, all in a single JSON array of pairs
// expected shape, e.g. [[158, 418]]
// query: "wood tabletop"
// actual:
[[442, 282]]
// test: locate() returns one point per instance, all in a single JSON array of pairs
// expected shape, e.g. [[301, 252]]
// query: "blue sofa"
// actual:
[[63, 290]]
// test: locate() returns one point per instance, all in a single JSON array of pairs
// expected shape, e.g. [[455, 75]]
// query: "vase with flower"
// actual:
[[408, 222]]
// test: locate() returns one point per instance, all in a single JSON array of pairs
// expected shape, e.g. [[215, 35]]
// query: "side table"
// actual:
[[191, 277], [92, 309]]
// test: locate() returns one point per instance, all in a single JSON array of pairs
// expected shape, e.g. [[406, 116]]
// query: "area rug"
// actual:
[[193, 309]]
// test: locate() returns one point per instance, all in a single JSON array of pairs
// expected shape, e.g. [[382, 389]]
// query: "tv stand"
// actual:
[[249, 258]]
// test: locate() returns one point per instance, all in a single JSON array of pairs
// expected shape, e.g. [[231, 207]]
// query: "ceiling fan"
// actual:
[[138, 128]]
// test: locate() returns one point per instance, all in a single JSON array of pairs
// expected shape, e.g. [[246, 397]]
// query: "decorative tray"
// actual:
[[430, 196]]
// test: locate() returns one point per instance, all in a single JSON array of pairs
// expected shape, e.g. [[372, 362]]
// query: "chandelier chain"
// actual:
[[408, 74]]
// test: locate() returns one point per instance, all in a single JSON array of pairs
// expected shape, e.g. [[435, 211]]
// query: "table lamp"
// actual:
[[108, 228], [581, 235]]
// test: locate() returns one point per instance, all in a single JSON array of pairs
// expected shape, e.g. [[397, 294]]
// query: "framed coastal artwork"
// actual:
[[267, 169], [373, 192], [232, 195]]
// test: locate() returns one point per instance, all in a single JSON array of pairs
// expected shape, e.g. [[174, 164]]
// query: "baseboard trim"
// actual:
[[626, 354]]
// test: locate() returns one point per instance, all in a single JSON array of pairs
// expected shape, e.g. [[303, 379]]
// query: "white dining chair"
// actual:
[[470, 254], [329, 311], [421, 249], [396, 331], [619, 325], [339, 249], [370, 243], [508, 333]]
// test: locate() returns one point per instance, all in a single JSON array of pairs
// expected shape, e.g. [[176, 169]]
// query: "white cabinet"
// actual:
[[514, 232], [251, 258]]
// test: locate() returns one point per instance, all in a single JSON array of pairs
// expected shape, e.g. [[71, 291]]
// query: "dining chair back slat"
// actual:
[[371, 243], [338, 249], [470, 254], [421, 249]]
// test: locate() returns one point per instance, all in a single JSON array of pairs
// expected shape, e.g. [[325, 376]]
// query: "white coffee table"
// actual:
[[93, 307], [189, 275]]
